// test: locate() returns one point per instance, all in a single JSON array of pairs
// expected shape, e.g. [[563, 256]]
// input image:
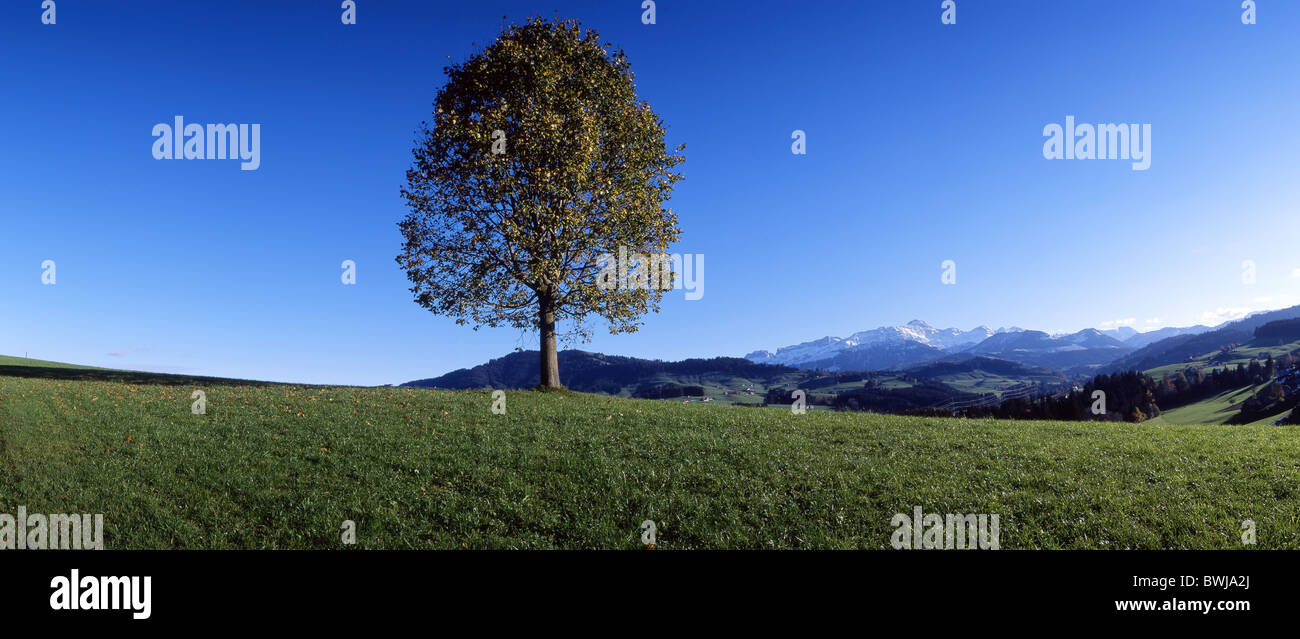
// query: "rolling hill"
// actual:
[[1212, 410], [1186, 348], [1276, 339], [279, 467], [620, 376], [24, 367], [739, 381], [980, 374], [1229, 357]]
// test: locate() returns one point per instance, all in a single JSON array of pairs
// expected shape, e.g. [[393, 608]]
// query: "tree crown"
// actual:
[[539, 159]]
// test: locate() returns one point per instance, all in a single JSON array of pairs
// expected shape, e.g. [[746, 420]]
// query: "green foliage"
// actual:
[[504, 238]]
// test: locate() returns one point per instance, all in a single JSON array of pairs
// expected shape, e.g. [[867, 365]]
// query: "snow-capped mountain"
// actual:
[[917, 342], [884, 341], [801, 353], [922, 333]]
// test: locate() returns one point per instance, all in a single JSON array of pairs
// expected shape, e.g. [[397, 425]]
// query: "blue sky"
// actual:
[[924, 144]]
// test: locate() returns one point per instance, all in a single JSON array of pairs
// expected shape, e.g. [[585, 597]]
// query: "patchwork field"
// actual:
[[284, 466]]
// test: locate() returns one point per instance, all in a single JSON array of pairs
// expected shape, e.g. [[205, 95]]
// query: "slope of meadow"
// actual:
[[1217, 409], [9, 360], [284, 466]]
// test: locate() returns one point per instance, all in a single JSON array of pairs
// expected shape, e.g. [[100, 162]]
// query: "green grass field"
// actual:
[[284, 466]]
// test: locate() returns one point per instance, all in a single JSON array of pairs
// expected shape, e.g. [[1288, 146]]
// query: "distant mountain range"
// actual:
[[914, 332], [887, 368], [892, 347], [1139, 340]]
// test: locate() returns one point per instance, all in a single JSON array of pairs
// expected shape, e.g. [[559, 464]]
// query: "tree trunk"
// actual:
[[550, 363]]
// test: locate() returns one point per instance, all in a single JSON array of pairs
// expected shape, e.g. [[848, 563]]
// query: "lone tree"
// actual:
[[540, 159]]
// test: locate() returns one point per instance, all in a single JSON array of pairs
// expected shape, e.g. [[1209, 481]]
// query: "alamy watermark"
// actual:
[[75, 592], [649, 533], [180, 141], [933, 531], [634, 271], [1098, 142], [949, 12], [38, 531]]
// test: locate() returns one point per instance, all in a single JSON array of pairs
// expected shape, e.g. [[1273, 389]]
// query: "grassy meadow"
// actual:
[[1212, 410], [280, 466], [8, 361]]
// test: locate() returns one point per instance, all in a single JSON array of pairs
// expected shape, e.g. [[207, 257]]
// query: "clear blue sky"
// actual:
[[924, 145]]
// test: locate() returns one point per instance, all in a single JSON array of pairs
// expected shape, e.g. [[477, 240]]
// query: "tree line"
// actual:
[[1135, 397]]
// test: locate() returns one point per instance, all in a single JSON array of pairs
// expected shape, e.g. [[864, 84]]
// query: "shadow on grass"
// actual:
[[124, 377]]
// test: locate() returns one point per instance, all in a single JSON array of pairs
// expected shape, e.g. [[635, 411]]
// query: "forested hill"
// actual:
[[1183, 347], [597, 373]]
